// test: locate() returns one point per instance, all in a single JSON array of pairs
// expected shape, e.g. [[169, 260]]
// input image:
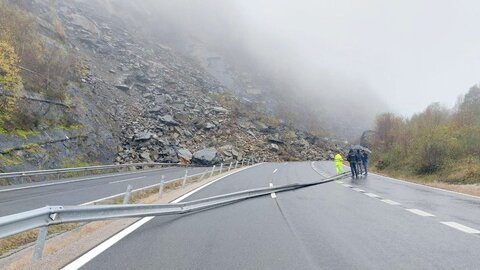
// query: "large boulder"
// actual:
[[208, 156], [184, 154]]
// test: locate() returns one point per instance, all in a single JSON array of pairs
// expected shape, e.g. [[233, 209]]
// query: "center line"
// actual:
[[273, 193], [359, 190], [420, 212], [372, 195], [274, 171], [130, 179], [346, 185]]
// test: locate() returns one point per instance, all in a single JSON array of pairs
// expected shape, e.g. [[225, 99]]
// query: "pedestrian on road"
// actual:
[[358, 157], [365, 161], [352, 159], [339, 163]]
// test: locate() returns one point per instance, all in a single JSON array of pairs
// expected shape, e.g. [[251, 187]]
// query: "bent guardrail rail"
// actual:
[[52, 215]]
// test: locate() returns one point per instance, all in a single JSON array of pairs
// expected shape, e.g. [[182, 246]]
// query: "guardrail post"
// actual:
[[203, 175], [263, 160], [160, 189], [185, 179], [243, 160], [40, 244], [236, 164], [221, 167], [126, 197], [230, 166], [213, 169]]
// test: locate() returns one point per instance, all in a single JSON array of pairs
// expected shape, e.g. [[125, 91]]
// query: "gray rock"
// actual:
[[209, 125], [168, 119], [220, 110], [123, 87], [143, 136], [208, 156], [145, 155], [185, 154], [274, 147]]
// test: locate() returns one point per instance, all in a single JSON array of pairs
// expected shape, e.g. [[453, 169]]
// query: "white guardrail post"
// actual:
[[160, 189], [184, 182], [213, 169], [126, 197], [230, 166], [221, 168], [236, 164]]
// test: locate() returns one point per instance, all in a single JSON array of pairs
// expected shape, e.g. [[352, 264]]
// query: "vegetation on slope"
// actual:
[[438, 144]]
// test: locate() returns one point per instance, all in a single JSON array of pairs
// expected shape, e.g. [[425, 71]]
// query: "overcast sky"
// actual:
[[410, 52]]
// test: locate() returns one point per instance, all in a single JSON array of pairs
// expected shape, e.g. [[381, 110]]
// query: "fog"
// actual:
[[350, 58]]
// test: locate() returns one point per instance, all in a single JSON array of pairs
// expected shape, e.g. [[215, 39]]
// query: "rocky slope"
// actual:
[[162, 106]]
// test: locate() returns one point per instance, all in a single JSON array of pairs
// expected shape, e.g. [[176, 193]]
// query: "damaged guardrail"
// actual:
[[54, 215]]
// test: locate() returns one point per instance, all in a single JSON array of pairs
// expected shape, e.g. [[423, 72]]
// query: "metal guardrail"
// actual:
[[53, 215], [81, 169]]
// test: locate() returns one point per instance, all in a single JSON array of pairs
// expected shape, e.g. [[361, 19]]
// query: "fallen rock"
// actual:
[[185, 154], [143, 136], [274, 147], [168, 119], [208, 156]]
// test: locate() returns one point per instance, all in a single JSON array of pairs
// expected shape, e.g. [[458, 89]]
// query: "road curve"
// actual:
[[369, 223]]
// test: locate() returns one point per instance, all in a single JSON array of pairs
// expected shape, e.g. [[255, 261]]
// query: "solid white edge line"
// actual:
[[91, 254], [460, 227], [358, 189], [416, 184], [78, 180], [420, 212], [130, 179]]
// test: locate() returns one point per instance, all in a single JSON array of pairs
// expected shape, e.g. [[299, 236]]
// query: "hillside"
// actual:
[[127, 99]]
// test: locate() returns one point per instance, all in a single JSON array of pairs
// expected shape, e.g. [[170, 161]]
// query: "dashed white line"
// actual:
[[274, 171], [390, 202], [371, 195], [460, 227], [420, 212], [273, 193], [358, 189], [340, 182], [346, 185], [130, 179]]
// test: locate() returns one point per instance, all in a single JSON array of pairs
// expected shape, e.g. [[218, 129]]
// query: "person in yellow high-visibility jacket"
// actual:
[[339, 163]]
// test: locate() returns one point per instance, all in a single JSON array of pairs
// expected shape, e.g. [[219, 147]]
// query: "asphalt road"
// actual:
[[15, 199], [369, 223]]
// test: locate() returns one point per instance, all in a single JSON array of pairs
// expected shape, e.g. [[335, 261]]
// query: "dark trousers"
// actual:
[[359, 168], [365, 165], [353, 167]]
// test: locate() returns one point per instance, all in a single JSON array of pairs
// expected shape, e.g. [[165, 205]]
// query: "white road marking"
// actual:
[[390, 202], [420, 212], [460, 227], [359, 190], [274, 171], [371, 195], [340, 182], [130, 179], [90, 255], [273, 193], [425, 186], [346, 185], [78, 180]]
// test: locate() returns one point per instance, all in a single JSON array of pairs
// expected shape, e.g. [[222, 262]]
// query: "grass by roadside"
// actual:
[[431, 180]]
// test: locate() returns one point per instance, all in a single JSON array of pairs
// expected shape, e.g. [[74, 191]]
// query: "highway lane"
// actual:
[[330, 226], [78, 192], [443, 204]]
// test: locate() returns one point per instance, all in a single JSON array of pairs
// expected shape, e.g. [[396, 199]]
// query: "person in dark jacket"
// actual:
[[352, 159], [365, 161], [358, 157]]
